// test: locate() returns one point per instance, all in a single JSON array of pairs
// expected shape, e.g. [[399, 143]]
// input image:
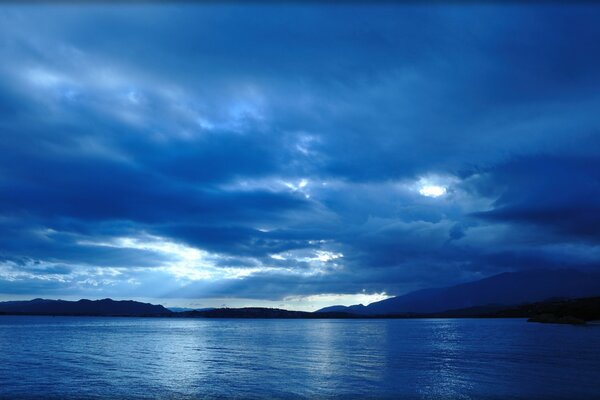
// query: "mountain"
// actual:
[[81, 307], [356, 309], [506, 289]]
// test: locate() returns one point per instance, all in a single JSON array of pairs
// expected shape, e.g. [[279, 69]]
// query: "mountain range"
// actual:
[[506, 289], [485, 297], [82, 307]]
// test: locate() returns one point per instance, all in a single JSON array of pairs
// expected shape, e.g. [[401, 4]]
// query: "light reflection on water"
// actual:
[[66, 357]]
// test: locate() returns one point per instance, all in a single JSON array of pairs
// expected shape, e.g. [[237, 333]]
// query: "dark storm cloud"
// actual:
[[270, 151], [556, 193]]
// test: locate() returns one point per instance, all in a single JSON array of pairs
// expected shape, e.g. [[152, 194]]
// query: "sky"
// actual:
[[294, 156]]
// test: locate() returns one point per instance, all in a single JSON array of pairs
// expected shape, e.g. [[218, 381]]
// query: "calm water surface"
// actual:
[[77, 357]]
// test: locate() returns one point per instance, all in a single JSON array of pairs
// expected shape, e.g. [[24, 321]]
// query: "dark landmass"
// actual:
[[259, 312], [502, 296], [573, 311], [569, 311], [108, 307], [566, 311], [560, 311], [184, 309], [105, 307], [180, 309], [506, 289], [355, 309]]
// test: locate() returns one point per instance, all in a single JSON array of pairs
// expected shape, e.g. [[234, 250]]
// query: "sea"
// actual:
[[167, 358]]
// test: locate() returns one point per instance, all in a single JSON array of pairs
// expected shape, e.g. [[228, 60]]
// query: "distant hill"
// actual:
[[556, 311], [356, 309], [259, 312], [506, 289], [184, 309], [81, 307]]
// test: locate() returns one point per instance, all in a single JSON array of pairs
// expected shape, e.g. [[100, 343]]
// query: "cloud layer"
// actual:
[[277, 152]]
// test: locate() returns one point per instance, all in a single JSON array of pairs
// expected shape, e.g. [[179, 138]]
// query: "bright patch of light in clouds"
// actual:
[[317, 301], [432, 191], [321, 256], [191, 264], [324, 256], [433, 185], [186, 262]]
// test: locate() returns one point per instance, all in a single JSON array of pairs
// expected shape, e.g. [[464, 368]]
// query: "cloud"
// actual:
[[294, 151], [555, 193]]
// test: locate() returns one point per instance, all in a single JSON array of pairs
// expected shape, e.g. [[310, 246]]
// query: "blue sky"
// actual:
[[293, 155]]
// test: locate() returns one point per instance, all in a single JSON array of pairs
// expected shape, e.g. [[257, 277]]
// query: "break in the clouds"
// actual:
[[294, 155]]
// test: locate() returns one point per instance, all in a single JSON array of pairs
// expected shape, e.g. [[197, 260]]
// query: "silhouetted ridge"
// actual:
[[506, 289], [82, 307]]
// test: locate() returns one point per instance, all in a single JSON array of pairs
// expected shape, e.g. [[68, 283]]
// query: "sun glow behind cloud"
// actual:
[[185, 262], [191, 264], [432, 191], [434, 186]]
